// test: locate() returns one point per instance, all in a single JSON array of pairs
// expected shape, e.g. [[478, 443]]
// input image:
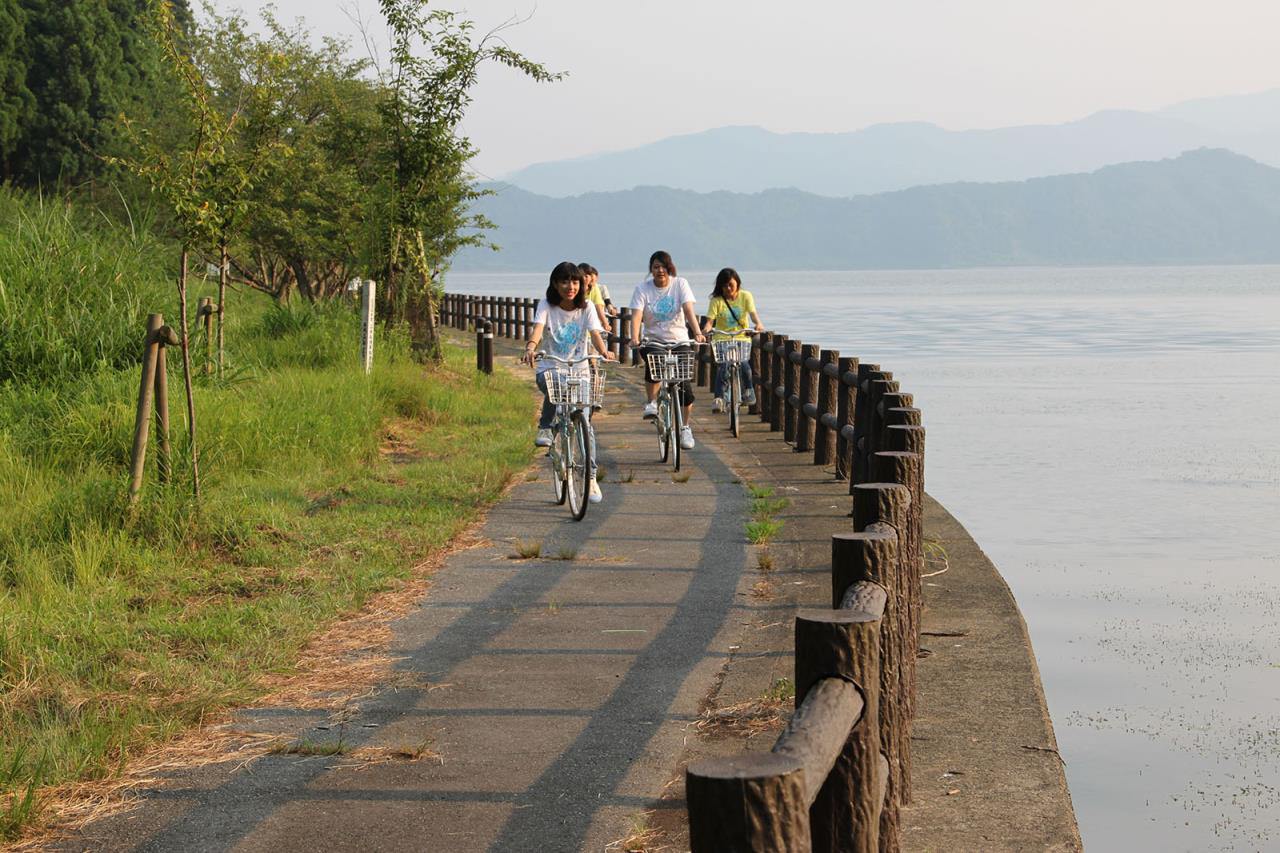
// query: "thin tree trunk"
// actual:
[[186, 374], [224, 272]]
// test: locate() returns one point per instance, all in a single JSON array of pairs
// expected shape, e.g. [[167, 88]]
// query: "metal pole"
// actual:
[[367, 293]]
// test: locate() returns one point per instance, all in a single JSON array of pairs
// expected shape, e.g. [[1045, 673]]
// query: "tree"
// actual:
[[428, 190], [197, 176], [84, 62], [16, 100]]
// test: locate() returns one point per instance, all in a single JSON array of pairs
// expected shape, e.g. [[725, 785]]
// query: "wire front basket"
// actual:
[[670, 366], [575, 387], [729, 351]]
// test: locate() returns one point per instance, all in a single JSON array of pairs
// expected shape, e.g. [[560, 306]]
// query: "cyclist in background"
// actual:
[[595, 294], [663, 303], [571, 326], [731, 307]]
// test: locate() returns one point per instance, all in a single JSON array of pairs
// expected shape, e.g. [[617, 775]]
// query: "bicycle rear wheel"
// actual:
[[663, 422], [735, 395], [558, 456], [579, 465]]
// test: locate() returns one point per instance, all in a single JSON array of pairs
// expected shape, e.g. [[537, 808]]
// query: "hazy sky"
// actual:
[[640, 71]]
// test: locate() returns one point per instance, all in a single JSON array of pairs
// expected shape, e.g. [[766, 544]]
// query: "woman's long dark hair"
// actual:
[[566, 271], [665, 259], [723, 277]]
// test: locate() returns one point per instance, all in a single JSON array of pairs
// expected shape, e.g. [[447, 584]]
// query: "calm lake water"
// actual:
[[1111, 437]]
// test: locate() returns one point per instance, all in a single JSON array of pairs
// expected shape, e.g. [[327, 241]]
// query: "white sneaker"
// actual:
[[717, 406], [650, 411], [686, 438], [593, 492], [543, 438]]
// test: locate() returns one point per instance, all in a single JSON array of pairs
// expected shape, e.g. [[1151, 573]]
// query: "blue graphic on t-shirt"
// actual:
[[566, 338], [665, 309]]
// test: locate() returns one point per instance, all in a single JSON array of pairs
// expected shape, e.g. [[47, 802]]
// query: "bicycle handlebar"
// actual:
[[543, 355]]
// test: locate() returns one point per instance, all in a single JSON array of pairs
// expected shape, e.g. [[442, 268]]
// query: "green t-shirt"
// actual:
[[723, 318]]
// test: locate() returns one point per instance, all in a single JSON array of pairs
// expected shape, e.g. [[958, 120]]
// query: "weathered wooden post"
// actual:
[[841, 647], [615, 336], [884, 507], [791, 379], [703, 359], [757, 341], [204, 316], [146, 389], [747, 803], [368, 292], [164, 458], [862, 420], [807, 397], [846, 406], [764, 377], [826, 425], [624, 336], [778, 370]]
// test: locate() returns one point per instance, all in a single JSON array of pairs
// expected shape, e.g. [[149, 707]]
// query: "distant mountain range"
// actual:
[[1204, 206], [888, 157]]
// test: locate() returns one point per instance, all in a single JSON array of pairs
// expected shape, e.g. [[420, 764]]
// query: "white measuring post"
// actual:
[[366, 323]]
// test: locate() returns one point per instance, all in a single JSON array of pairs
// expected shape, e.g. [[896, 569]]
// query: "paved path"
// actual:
[[557, 692]]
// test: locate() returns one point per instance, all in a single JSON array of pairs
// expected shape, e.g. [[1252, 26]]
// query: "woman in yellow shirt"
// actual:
[[730, 310]]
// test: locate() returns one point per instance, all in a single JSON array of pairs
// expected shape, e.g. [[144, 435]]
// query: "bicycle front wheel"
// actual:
[[579, 465], [735, 395], [664, 424], [676, 423], [558, 456]]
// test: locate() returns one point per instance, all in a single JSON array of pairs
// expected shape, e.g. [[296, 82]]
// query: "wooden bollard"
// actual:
[[846, 404], [615, 336], [862, 422], [824, 437], [878, 506], [899, 466], [807, 394], [204, 316], [846, 814], [747, 803], [164, 457], [777, 372], [902, 416], [702, 359], [146, 390], [790, 381], [764, 377], [756, 352], [624, 336]]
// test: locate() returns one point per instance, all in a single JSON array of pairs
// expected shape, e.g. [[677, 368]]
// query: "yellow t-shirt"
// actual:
[[722, 317], [594, 297]]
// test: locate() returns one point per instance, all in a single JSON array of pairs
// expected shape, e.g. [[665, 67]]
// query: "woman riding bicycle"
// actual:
[[569, 323], [731, 307], [664, 304]]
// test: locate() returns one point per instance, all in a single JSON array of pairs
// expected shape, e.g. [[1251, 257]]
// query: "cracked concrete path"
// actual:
[[555, 691]]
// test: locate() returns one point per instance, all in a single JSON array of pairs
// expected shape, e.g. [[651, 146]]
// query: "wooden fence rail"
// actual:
[[839, 775]]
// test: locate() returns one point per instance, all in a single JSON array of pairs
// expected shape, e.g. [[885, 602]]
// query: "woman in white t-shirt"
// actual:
[[571, 325], [663, 302]]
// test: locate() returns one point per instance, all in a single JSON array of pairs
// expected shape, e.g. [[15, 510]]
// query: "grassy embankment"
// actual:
[[118, 629]]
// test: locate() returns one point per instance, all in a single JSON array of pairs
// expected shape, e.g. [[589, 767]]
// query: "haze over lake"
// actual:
[[1108, 435]]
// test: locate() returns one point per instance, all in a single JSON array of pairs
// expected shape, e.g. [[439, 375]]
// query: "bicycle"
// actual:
[[573, 392], [672, 365], [731, 352]]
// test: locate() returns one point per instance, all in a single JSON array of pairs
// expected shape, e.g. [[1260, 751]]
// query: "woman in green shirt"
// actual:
[[730, 310]]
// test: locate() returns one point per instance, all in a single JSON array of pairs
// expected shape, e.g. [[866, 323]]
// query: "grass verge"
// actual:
[[323, 487]]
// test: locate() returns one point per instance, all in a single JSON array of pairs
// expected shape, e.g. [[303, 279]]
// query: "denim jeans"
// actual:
[[548, 417], [721, 380]]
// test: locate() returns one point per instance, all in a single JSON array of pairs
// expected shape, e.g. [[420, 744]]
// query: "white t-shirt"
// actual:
[[566, 334], [663, 309]]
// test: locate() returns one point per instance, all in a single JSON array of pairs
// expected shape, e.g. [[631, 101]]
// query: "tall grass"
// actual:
[[75, 289], [119, 627]]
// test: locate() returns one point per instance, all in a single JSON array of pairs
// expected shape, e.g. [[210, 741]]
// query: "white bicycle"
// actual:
[[731, 352], [573, 387]]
